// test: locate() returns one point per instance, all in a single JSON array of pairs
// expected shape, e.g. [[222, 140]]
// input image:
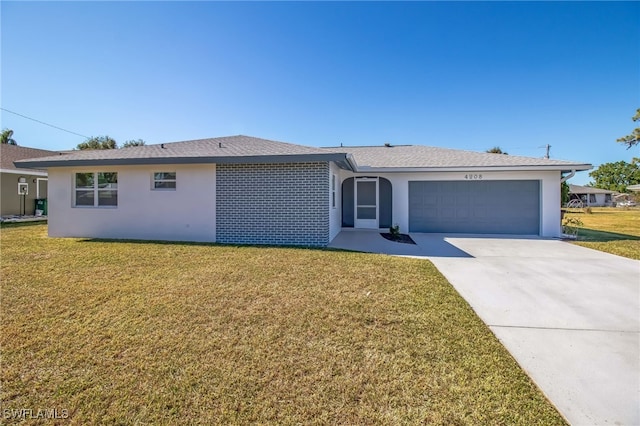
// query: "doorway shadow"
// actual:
[[370, 241]]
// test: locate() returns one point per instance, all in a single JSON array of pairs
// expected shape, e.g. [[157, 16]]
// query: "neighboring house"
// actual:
[[633, 188], [35, 181], [594, 197], [247, 190]]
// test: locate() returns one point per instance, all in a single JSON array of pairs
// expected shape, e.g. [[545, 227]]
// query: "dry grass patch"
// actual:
[[612, 230], [611, 219], [125, 332]]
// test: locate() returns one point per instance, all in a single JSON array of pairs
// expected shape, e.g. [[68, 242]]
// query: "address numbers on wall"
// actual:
[[473, 176]]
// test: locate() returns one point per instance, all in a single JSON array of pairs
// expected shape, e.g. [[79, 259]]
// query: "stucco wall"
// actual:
[[600, 201], [186, 214], [549, 198], [254, 204], [273, 203], [335, 214], [10, 201]]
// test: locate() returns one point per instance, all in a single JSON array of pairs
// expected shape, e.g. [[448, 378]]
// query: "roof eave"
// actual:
[[561, 168], [251, 159], [29, 172], [351, 161], [590, 192]]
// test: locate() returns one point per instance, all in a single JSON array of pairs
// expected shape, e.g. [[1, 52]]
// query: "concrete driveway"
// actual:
[[569, 315]]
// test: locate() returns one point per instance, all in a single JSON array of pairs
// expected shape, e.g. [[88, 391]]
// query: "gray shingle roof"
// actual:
[[578, 189], [11, 153], [230, 146], [419, 156], [241, 149], [223, 149]]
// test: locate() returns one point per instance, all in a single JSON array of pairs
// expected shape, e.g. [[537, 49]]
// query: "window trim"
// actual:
[[154, 180], [333, 191], [96, 191]]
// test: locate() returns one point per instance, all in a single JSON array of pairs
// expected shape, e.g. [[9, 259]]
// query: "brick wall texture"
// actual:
[[284, 204]]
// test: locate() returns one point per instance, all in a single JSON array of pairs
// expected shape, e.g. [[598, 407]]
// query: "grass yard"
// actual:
[[612, 230], [139, 332]]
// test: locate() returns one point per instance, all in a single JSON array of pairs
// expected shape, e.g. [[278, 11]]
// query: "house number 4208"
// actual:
[[473, 176]]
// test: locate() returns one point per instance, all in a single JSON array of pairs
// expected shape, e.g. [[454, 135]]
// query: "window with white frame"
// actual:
[[333, 191], [164, 181], [96, 189]]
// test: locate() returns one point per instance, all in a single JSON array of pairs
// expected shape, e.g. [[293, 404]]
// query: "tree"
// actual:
[[634, 137], [133, 142], [7, 137], [98, 142], [496, 150], [564, 193], [617, 176], [106, 142]]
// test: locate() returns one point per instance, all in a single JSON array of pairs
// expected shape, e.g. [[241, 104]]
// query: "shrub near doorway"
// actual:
[[395, 235]]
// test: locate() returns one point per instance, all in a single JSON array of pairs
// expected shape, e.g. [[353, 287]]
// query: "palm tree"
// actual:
[[6, 137]]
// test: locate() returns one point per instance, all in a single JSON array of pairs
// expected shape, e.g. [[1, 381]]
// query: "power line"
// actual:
[[46, 124]]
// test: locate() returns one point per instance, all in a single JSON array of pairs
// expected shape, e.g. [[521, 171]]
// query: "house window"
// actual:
[[607, 198], [164, 181], [333, 191], [592, 198], [98, 189]]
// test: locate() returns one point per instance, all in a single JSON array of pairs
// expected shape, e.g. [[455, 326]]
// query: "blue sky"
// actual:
[[452, 74]]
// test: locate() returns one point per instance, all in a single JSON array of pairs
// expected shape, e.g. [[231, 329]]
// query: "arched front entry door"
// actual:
[[366, 202]]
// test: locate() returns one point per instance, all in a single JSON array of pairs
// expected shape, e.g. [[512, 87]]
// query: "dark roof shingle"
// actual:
[[420, 156], [238, 148], [229, 146], [11, 153]]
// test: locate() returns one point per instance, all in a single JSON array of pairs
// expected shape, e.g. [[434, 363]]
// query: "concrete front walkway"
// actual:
[[569, 315]]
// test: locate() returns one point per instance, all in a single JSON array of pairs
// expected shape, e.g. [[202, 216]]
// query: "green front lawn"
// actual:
[[609, 229], [140, 332]]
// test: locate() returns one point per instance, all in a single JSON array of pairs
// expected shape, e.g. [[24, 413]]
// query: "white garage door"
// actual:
[[477, 207]]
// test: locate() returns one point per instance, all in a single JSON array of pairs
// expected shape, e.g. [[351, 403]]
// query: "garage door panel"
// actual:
[[431, 212], [479, 213], [448, 199], [463, 213], [493, 207], [447, 212]]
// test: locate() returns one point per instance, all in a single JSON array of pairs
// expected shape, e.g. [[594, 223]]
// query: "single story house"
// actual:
[[32, 183], [633, 188], [247, 190], [593, 197]]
